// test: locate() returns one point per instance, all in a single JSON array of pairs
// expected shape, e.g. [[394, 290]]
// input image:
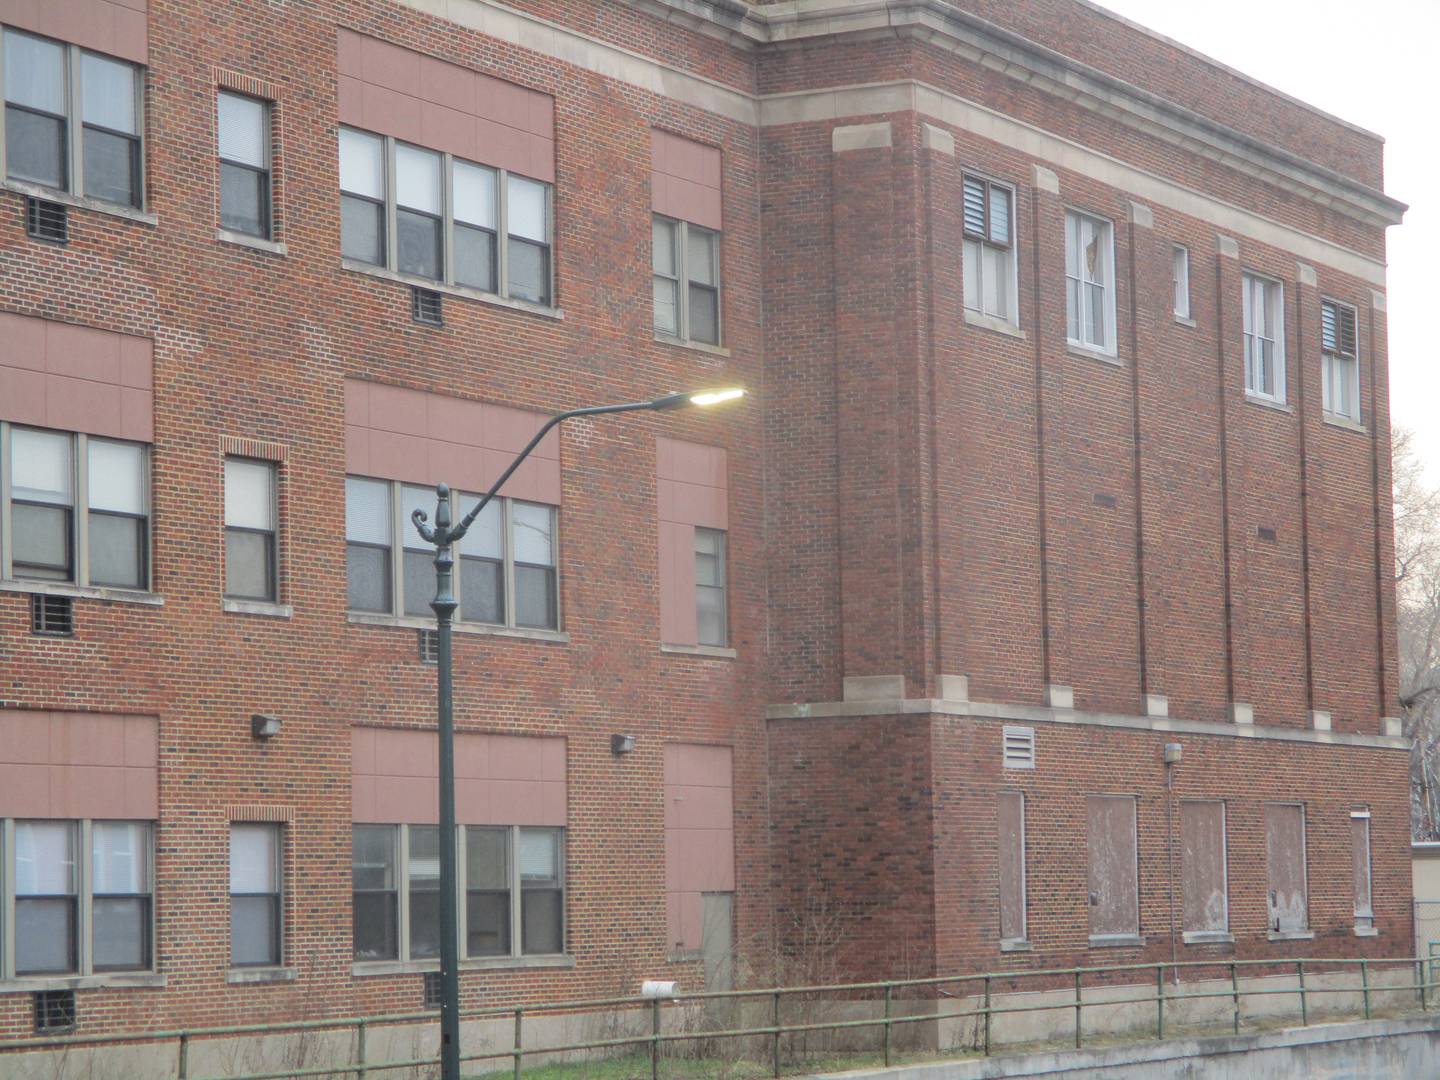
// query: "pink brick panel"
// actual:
[[685, 179], [114, 27], [74, 765], [699, 835]]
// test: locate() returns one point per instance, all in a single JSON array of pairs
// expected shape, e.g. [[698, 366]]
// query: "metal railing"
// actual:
[[983, 987]]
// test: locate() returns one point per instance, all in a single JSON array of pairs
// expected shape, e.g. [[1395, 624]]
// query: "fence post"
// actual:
[[1235, 996], [519, 1043], [1159, 1001], [888, 993], [987, 1015], [655, 1039], [1365, 985], [1077, 1010], [362, 1072], [775, 1017], [1304, 1012], [1420, 982], [184, 1068]]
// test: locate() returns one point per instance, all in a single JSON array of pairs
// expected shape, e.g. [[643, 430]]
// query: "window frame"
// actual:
[[402, 532], [1329, 357], [277, 898], [1010, 247], [1364, 919], [683, 282], [1191, 936], [1021, 942], [1308, 930], [1273, 290], [1180, 280], [272, 548], [83, 943], [502, 233], [267, 172], [723, 589], [74, 122], [1110, 286], [80, 510]]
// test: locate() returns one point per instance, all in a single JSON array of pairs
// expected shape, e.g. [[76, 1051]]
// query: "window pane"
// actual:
[[526, 210], [362, 231], [116, 476], [372, 857], [418, 244], [540, 856], [535, 598], [487, 922], [996, 277], [482, 590], [419, 569], [710, 615], [249, 494], [367, 578], [35, 148], [971, 273], [483, 540], [667, 310], [120, 939], [376, 919], [533, 527], [241, 130], [244, 200], [40, 466], [424, 878], [704, 314], [44, 936], [44, 858], [474, 194], [117, 551], [34, 72], [475, 258], [367, 510], [999, 215], [362, 164], [40, 541], [1095, 315], [487, 884], [662, 246], [487, 858], [529, 272], [541, 920], [1072, 309], [253, 861], [1072, 245], [109, 93], [417, 179], [701, 256], [249, 565], [120, 857], [254, 922], [110, 171], [709, 557]]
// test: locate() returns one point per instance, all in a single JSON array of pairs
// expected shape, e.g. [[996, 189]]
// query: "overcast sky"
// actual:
[[1376, 65]]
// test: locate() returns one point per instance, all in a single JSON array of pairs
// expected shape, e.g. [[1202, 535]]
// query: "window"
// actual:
[[73, 917], [455, 222], [243, 140], [1180, 276], [1341, 359], [1089, 282], [1287, 901], [513, 882], [1264, 314], [507, 570], [1114, 871], [989, 257], [1204, 891], [72, 119], [51, 473], [254, 895], [685, 261], [710, 615], [250, 514], [1010, 812], [1360, 857]]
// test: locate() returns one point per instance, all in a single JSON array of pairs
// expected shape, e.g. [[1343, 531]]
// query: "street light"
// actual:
[[443, 535]]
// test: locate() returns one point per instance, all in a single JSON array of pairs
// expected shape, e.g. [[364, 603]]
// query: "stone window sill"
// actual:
[[1207, 937], [685, 956], [258, 607], [1344, 423], [254, 976], [452, 290], [1367, 931], [994, 324], [1016, 945], [84, 592], [1116, 941], [1185, 320], [697, 346], [1076, 349], [714, 652], [99, 206], [479, 963], [139, 980], [1290, 935], [412, 622], [256, 243], [1268, 403]]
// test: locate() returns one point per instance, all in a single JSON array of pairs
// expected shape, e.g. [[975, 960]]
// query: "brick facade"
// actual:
[[1118, 551]]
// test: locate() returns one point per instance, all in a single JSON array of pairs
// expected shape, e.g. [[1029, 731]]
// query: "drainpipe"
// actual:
[[1172, 758]]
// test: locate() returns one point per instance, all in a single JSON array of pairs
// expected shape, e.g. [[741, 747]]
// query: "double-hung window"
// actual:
[[250, 530], [243, 141], [1264, 324], [120, 895], [1340, 355], [685, 271], [1180, 280], [508, 570], [72, 119], [1360, 861], [77, 508], [255, 895], [437, 218], [47, 910], [1089, 282], [989, 256], [711, 621]]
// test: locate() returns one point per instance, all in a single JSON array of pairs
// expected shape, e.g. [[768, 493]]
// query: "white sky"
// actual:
[[1375, 65]]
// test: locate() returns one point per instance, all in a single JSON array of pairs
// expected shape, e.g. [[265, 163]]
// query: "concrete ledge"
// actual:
[[874, 687], [860, 137], [1307, 275], [1044, 179], [1157, 705], [995, 323], [1392, 727], [1142, 216], [1227, 246], [259, 976], [954, 687], [1319, 720], [1240, 713], [937, 139], [1060, 697]]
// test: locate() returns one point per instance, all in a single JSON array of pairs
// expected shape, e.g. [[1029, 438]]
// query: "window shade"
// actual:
[[367, 511], [362, 164], [417, 179], [999, 215], [120, 854], [109, 93], [44, 858], [474, 194], [532, 526], [240, 128], [412, 499], [483, 541], [117, 477], [34, 73], [527, 209], [40, 466], [249, 498], [252, 858], [539, 855]]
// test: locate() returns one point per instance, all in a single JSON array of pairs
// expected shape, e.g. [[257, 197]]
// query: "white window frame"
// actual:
[[79, 513], [84, 897], [447, 232], [1180, 279], [75, 122], [1272, 291], [973, 268], [1329, 359], [682, 282], [1073, 222]]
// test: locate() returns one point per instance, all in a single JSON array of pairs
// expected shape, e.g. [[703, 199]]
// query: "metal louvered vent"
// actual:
[[426, 306], [47, 221], [433, 990], [1018, 750], [55, 1010], [429, 647], [52, 616]]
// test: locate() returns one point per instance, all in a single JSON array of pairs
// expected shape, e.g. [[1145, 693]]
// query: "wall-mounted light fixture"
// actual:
[[1173, 752], [264, 727], [622, 744]]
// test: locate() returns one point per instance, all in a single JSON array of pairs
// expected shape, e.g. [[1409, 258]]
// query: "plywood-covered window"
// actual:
[[1360, 855], [1114, 872], [1010, 817], [1287, 899], [1206, 906]]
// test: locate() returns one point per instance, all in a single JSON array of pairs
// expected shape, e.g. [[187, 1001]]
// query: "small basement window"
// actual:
[[54, 1011]]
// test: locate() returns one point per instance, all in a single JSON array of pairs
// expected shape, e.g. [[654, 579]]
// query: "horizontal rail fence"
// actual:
[[1065, 988]]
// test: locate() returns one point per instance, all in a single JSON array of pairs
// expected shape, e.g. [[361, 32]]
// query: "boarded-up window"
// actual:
[[1114, 876], [1010, 813], [1202, 863], [1285, 864], [1360, 847]]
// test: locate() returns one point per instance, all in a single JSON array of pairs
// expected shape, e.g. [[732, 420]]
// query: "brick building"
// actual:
[[1068, 441]]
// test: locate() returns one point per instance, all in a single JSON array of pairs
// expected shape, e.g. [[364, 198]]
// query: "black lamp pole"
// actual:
[[444, 535]]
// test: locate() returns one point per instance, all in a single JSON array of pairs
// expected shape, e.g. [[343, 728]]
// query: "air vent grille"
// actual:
[[429, 647], [47, 221], [52, 616], [426, 306], [433, 990], [55, 1010], [1019, 747]]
